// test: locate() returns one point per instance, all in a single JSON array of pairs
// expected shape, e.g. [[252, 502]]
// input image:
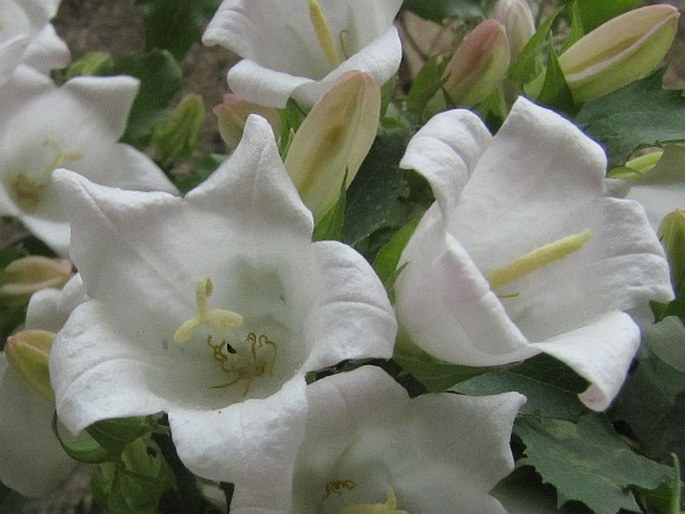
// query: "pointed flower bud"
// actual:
[[620, 51], [478, 65], [233, 113], [176, 137], [333, 140], [518, 22], [672, 234], [28, 352], [24, 276]]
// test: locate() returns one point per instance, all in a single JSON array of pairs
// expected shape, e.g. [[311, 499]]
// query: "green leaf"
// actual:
[[527, 66], [435, 375], [438, 10], [115, 434], [577, 29], [199, 172], [587, 462], [542, 399], [551, 387], [595, 12], [160, 82], [385, 263], [639, 114], [555, 92], [174, 25], [376, 187], [652, 404], [426, 85]]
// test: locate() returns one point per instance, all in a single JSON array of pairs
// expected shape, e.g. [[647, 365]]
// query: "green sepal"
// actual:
[[527, 65], [330, 227]]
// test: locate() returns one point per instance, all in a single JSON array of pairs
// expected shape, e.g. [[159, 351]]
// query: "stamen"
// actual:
[[538, 258], [323, 33], [337, 487], [389, 507], [253, 358]]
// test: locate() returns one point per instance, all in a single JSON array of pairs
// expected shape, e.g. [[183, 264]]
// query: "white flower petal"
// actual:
[[143, 257], [446, 151], [438, 452], [296, 65], [354, 318], [251, 444], [601, 352], [538, 182]]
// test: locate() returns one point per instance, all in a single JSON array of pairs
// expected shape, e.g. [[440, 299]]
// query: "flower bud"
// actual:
[[478, 65], [28, 352], [233, 113], [518, 22], [620, 51], [672, 234], [176, 137], [24, 276], [333, 140]]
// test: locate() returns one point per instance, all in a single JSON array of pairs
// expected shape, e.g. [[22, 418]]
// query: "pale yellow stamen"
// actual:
[[389, 507], [28, 191], [323, 33], [221, 321], [538, 258]]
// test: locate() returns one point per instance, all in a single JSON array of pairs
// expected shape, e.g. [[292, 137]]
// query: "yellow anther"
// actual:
[[538, 258], [389, 507], [323, 33], [221, 321]]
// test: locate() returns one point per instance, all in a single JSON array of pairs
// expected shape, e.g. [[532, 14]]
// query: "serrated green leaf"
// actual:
[[640, 114], [438, 10], [160, 82], [587, 462], [376, 187], [174, 25]]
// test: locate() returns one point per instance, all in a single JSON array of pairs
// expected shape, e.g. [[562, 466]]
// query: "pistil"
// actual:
[[538, 258], [323, 33], [28, 190]]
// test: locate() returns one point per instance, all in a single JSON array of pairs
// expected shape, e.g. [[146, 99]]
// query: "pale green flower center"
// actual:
[[28, 191], [244, 360], [538, 258]]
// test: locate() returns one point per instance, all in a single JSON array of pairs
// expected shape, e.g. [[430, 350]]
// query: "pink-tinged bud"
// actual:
[[28, 353], [233, 113], [518, 22], [24, 276], [333, 140], [479, 64], [620, 51]]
